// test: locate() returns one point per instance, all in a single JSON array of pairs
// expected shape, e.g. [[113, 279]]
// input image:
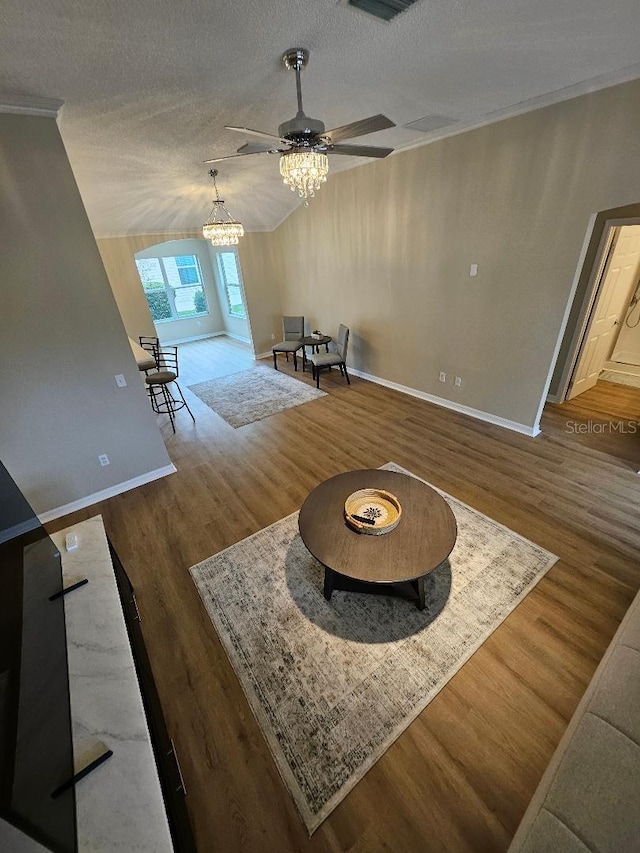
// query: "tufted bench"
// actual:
[[588, 800]]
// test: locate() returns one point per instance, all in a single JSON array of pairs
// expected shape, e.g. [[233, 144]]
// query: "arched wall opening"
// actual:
[[193, 290]]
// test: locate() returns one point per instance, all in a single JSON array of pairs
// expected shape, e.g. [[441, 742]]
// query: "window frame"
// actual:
[[167, 288], [222, 277]]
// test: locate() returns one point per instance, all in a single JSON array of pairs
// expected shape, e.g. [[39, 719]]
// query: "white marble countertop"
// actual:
[[119, 805], [144, 360]]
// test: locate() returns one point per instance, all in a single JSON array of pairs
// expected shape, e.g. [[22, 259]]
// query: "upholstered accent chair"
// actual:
[[163, 401], [292, 334], [327, 360]]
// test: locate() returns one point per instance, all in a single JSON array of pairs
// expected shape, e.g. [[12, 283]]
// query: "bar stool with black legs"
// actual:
[[163, 402], [149, 343]]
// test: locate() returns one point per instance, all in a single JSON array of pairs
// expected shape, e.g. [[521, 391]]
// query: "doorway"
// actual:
[[595, 314], [605, 348], [602, 298]]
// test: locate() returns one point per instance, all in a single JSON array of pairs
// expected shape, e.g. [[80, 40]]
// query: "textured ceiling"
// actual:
[[149, 85]]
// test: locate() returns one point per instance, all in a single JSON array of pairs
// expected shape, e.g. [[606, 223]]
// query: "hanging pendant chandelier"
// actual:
[[221, 228], [303, 171]]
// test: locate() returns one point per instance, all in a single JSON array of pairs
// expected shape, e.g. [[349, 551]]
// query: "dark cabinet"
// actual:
[[171, 781]]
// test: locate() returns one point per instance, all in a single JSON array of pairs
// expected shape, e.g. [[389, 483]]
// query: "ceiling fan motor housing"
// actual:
[[301, 129]]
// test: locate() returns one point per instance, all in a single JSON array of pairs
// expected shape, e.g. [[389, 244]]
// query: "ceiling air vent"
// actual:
[[430, 123], [384, 10]]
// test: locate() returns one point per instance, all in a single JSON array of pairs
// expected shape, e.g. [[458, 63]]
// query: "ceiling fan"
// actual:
[[303, 142]]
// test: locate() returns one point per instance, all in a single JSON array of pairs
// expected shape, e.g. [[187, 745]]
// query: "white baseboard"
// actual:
[[192, 338], [260, 355], [449, 404], [222, 333], [105, 494]]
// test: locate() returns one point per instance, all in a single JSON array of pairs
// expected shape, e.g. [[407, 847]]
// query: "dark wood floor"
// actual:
[[459, 778]]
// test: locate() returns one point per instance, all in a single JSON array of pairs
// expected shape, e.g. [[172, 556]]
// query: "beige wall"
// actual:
[[386, 249], [119, 263], [261, 264], [257, 262], [61, 337]]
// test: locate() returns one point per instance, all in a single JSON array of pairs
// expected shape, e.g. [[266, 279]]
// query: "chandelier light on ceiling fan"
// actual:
[[304, 171], [303, 143], [221, 228]]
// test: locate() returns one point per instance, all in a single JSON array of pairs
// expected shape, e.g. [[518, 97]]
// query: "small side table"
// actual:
[[315, 344]]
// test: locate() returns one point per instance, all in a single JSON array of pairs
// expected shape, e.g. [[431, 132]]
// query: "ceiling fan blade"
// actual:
[[259, 148], [248, 132], [358, 128], [360, 150], [231, 156]]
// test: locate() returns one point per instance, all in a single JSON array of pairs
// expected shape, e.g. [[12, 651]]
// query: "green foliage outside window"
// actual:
[[159, 305], [200, 302]]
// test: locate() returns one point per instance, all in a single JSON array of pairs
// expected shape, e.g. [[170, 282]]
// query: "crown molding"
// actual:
[[183, 234], [30, 106]]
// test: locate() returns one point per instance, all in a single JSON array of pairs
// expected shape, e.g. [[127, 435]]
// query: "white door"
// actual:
[[619, 279]]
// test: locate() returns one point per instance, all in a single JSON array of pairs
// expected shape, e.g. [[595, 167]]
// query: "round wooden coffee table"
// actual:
[[360, 562]]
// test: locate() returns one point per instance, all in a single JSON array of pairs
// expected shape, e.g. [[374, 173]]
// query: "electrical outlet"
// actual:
[[457, 381], [443, 376], [121, 382], [103, 459], [474, 270], [273, 337]]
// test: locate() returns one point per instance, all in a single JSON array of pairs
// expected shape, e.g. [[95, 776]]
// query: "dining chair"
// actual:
[[327, 360], [292, 334], [163, 402]]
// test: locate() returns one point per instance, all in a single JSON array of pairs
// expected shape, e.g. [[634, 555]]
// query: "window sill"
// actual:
[[182, 319]]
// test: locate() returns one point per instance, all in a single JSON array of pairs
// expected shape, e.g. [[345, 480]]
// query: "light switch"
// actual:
[[474, 270], [121, 382]]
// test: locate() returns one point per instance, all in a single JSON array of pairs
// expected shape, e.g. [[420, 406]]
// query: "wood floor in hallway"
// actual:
[[460, 777]]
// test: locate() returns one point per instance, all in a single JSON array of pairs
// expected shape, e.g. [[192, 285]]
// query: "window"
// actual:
[[173, 287], [230, 278]]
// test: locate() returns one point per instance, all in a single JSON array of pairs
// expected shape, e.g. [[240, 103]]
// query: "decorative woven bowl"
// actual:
[[372, 511]]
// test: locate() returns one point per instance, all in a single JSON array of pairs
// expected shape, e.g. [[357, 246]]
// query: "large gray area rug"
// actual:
[[333, 684], [251, 395]]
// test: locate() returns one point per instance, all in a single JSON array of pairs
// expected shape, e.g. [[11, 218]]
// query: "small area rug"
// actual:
[[251, 395], [334, 683]]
